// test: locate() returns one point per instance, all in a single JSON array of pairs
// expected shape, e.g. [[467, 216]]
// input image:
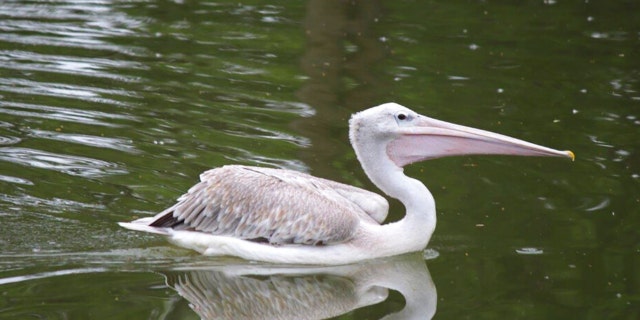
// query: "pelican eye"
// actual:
[[403, 117]]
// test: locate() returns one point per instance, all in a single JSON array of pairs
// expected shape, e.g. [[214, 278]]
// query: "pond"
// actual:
[[109, 111]]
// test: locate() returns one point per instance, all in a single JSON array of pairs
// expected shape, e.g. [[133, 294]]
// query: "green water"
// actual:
[[109, 110]]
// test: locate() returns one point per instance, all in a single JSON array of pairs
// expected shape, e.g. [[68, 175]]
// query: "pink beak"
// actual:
[[431, 138]]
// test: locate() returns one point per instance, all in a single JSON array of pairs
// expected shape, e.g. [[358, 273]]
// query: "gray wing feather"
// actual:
[[373, 204], [279, 206]]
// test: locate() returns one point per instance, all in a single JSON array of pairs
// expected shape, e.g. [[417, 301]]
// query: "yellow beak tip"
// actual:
[[571, 155]]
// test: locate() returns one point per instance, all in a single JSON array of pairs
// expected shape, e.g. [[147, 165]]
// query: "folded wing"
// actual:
[[272, 205]]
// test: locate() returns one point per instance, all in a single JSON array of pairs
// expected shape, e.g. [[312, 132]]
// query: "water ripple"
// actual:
[[29, 277], [299, 108], [595, 203], [89, 117], [5, 141], [89, 94], [58, 25], [256, 132], [69, 164], [87, 140], [529, 251], [243, 156], [15, 180], [53, 205], [77, 66], [237, 69]]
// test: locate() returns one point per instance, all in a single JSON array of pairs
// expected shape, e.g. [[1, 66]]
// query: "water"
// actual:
[[109, 110]]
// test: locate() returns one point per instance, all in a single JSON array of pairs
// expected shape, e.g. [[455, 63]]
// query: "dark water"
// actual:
[[109, 110]]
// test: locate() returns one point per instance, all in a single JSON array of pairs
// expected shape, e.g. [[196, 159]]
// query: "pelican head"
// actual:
[[403, 136]]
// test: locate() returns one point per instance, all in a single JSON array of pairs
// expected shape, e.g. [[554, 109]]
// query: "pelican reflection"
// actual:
[[279, 292]]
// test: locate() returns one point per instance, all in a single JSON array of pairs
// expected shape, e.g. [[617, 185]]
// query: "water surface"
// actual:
[[109, 110]]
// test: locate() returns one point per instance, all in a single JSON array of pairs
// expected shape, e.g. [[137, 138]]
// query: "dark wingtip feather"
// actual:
[[166, 221]]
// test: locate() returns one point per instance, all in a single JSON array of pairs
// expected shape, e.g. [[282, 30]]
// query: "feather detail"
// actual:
[[279, 206]]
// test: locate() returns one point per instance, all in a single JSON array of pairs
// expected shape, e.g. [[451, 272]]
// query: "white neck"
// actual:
[[412, 233]]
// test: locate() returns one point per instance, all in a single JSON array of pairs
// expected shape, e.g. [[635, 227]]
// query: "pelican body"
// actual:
[[284, 216]]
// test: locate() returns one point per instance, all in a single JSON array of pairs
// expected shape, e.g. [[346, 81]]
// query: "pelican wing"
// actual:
[[278, 206], [373, 204]]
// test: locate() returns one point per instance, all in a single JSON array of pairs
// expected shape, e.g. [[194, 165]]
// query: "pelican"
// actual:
[[283, 216]]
